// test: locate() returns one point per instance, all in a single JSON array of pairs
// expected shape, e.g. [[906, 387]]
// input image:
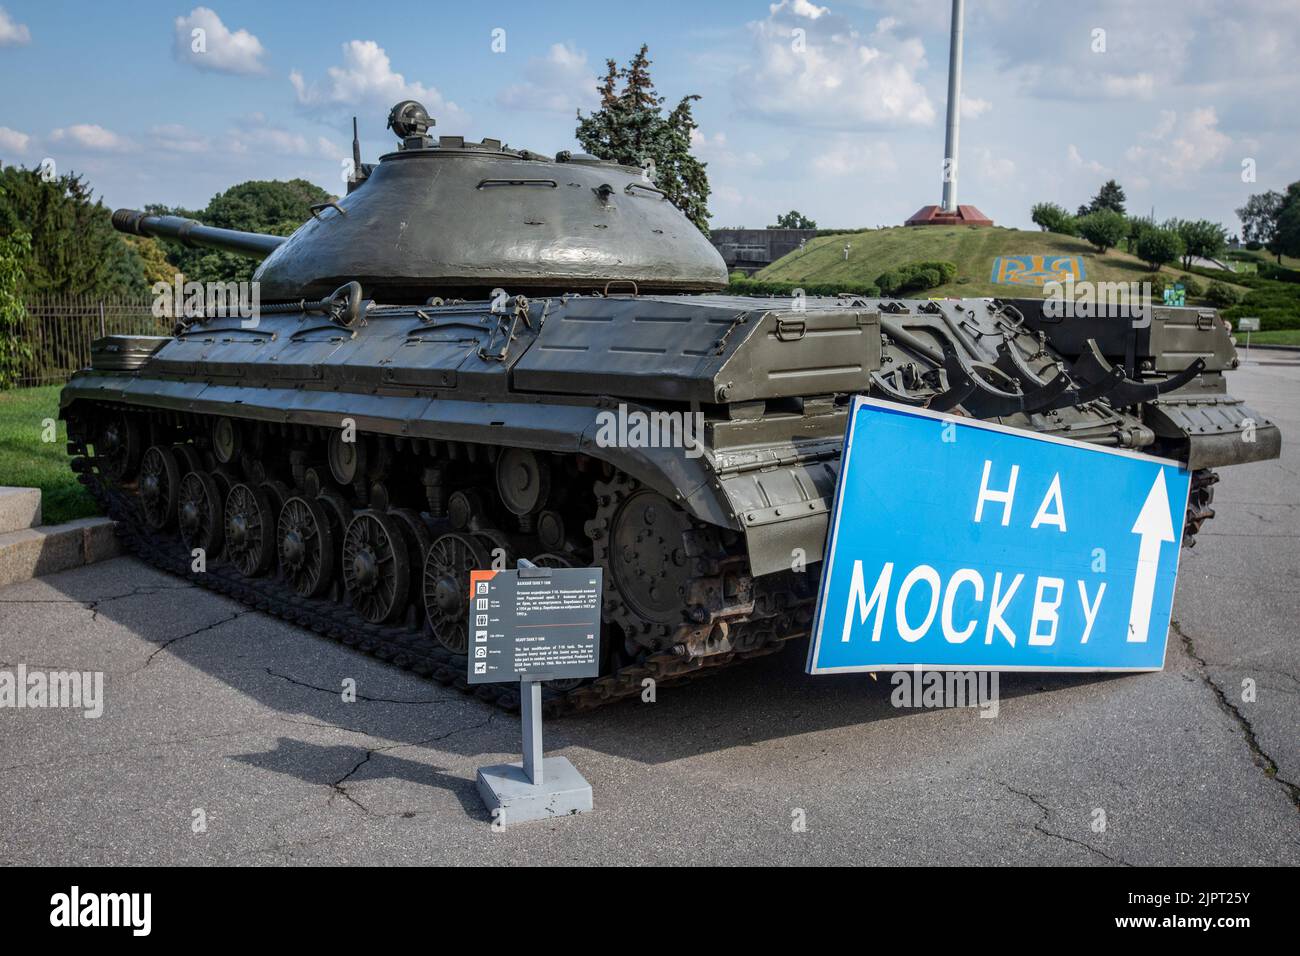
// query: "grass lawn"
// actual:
[[27, 461], [1284, 337], [972, 249]]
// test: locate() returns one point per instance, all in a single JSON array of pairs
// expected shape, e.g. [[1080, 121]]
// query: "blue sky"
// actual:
[[843, 121]]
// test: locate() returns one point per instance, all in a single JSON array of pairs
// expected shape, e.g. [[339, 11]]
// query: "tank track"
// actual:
[[404, 647]]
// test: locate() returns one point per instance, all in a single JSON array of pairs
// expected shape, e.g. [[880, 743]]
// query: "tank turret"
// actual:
[[448, 217]]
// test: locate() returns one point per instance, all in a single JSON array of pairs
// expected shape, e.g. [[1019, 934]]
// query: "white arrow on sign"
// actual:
[[1155, 527]]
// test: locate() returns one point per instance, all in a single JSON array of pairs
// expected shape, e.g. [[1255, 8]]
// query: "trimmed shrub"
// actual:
[[1104, 229], [1052, 218], [1271, 270], [1220, 295], [1158, 247], [916, 277]]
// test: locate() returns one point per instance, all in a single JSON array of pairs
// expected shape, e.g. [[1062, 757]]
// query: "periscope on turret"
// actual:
[[438, 359]]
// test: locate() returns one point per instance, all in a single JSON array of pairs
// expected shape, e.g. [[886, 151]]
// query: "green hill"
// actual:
[[971, 248]]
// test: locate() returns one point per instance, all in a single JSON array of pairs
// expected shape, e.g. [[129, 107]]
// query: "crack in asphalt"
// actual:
[[1040, 828], [170, 641], [334, 692], [93, 605], [338, 786], [1259, 755]]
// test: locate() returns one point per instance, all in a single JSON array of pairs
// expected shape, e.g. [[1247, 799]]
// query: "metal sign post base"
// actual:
[[505, 787], [535, 788]]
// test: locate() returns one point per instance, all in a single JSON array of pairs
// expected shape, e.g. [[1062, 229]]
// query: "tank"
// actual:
[[482, 354]]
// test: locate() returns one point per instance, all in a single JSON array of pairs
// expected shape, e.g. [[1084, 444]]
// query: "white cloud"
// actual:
[[254, 134], [716, 151], [366, 78], [330, 149], [1076, 161], [13, 34], [856, 156], [1118, 49], [812, 68], [973, 108], [91, 136], [219, 49], [559, 82], [1132, 86], [175, 138], [1181, 148], [991, 168], [13, 141]]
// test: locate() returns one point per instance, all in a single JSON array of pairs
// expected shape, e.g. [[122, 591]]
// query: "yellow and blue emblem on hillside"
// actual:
[[1037, 270]]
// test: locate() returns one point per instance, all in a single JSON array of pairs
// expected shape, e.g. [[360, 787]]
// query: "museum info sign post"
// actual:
[[532, 625], [963, 545]]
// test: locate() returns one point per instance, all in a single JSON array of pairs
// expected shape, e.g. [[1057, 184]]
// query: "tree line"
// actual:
[[1270, 220]]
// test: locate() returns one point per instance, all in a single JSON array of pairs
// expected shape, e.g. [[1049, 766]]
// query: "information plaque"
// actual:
[[534, 624]]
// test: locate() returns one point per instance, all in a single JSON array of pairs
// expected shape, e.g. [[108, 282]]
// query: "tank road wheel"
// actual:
[[339, 511], [312, 482], [307, 546], [250, 526], [160, 479], [446, 587], [199, 512], [347, 459], [224, 484], [376, 567], [227, 442], [523, 481], [340, 516], [117, 448], [188, 458], [279, 493], [418, 535]]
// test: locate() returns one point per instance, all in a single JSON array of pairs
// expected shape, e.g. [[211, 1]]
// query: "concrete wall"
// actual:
[[749, 250]]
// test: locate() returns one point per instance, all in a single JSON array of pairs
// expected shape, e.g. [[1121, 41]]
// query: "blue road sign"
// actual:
[[963, 545]]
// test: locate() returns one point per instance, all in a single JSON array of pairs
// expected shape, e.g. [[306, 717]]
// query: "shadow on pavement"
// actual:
[[297, 672]]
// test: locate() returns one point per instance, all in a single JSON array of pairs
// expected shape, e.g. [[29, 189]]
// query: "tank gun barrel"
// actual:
[[194, 233]]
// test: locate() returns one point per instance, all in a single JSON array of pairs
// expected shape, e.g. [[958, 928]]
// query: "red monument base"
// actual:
[[936, 216]]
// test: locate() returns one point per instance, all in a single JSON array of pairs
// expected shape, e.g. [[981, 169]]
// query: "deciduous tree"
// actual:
[[793, 220]]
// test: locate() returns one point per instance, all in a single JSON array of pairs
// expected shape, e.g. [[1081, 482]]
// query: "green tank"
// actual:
[[482, 354]]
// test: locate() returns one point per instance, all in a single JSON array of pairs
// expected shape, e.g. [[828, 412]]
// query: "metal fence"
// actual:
[[58, 333]]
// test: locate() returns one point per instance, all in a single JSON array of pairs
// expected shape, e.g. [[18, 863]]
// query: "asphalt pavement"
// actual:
[[224, 736]]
